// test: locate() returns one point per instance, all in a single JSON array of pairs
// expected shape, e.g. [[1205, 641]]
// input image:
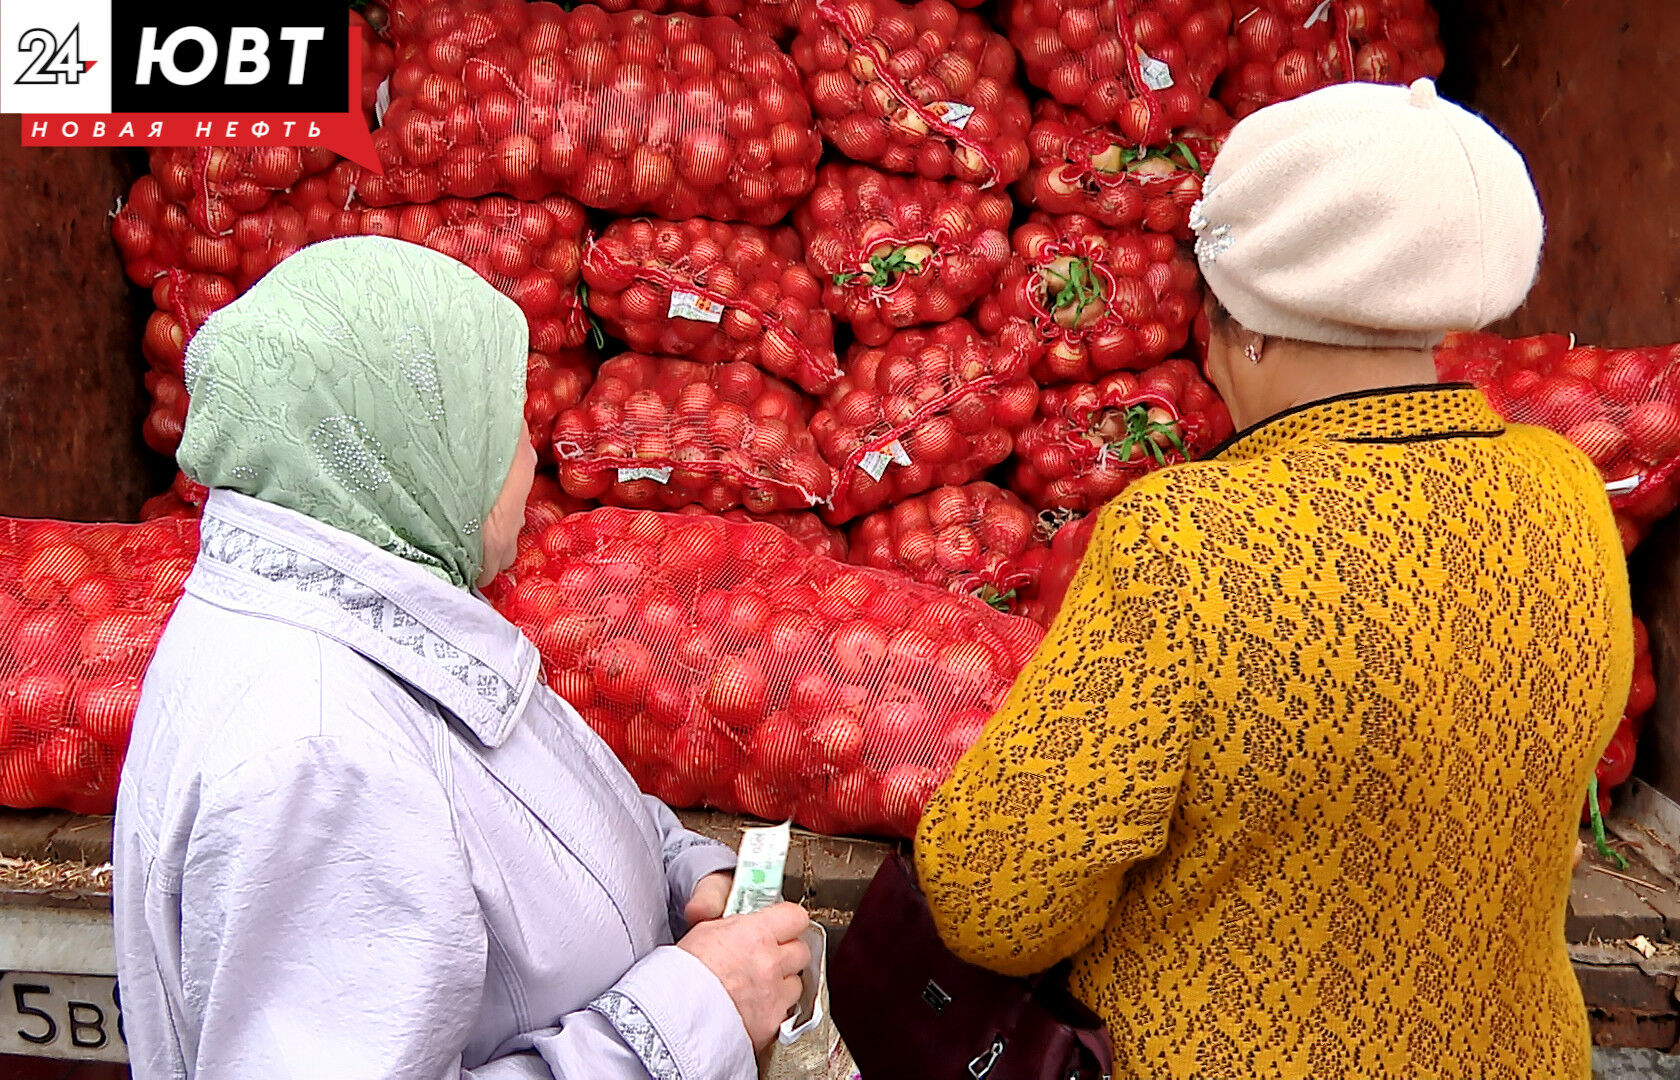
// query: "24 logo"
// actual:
[[52, 62]]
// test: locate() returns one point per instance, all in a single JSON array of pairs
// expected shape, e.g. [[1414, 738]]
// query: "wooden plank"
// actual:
[[27, 834], [54, 835], [1607, 908], [1626, 987], [829, 872], [1666, 904], [1629, 996]]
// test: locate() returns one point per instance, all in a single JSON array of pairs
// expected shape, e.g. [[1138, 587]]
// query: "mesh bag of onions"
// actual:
[[1069, 536], [975, 539], [808, 529], [81, 610], [1620, 406], [532, 251], [729, 666], [934, 405], [1082, 167], [1282, 49], [1147, 66], [1090, 441], [676, 115], [1095, 300], [921, 88], [657, 433], [897, 251], [713, 292]]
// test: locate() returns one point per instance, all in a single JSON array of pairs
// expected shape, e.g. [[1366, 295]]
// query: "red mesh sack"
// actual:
[[673, 115], [532, 251], [976, 539], [809, 530], [1147, 65], [166, 414], [1282, 49], [81, 610], [1091, 440], [1081, 167], [184, 499], [1615, 765], [711, 292], [1096, 300], [213, 185], [1620, 406], [183, 302], [554, 382], [656, 433], [1069, 537], [149, 230], [896, 251], [156, 236], [379, 60], [776, 19], [729, 666], [547, 504], [923, 88], [934, 405]]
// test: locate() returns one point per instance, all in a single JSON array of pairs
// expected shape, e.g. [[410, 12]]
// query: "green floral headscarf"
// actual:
[[374, 385]]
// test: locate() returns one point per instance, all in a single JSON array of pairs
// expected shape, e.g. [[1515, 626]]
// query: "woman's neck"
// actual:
[[1296, 373]]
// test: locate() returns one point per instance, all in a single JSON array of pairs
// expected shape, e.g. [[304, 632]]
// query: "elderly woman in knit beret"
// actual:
[[1295, 778]]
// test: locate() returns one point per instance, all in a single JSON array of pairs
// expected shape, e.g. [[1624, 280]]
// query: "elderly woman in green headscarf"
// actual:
[[356, 835]]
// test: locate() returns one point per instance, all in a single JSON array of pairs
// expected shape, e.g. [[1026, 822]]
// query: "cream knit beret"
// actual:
[[1368, 215]]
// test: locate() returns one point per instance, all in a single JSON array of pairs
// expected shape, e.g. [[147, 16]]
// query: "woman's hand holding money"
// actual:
[[757, 957]]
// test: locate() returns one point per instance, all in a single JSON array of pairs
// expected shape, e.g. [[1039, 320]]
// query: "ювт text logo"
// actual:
[[181, 73]]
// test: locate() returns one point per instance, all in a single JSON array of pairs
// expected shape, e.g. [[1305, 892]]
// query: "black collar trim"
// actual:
[[1428, 436], [1355, 395]]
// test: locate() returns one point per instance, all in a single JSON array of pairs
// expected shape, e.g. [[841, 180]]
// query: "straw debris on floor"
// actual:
[[54, 878]]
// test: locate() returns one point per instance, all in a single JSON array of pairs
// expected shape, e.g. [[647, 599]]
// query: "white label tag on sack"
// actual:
[[1156, 74], [381, 102], [1319, 13], [693, 306], [661, 475], [1626, 485], [876, 461], [954, 113]]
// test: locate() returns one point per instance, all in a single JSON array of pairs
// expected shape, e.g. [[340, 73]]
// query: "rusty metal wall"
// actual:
[[1582, 87], [71, 397]]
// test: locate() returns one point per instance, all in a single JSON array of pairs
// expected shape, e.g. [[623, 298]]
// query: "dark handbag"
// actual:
[[910, 1010]]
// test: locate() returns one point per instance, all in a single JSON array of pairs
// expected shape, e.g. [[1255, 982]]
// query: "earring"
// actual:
[[1252, 351]]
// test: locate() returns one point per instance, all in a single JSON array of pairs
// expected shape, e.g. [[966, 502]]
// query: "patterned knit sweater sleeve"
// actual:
[[1022, 850]]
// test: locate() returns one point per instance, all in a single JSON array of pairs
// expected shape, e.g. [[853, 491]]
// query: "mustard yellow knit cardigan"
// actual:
[[1295, 778]]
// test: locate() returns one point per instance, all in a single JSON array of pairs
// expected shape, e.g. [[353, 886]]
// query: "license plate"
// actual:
[[44, 1014]]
